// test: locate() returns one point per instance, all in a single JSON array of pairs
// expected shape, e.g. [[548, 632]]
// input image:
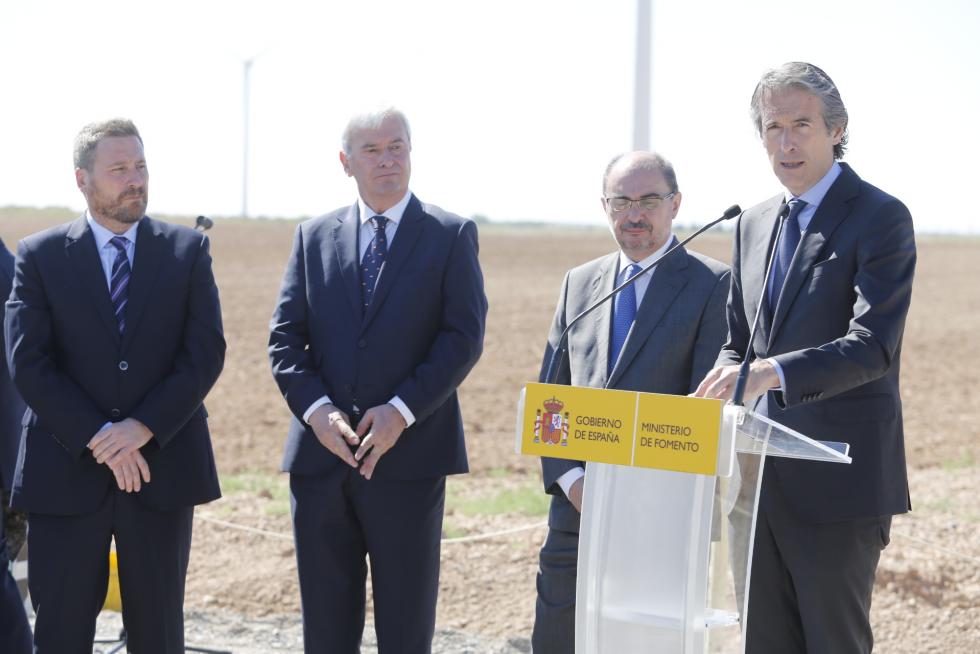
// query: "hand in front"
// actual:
[[575, 493], [380, 428], [117, 445], [720, 382], [333, 430]]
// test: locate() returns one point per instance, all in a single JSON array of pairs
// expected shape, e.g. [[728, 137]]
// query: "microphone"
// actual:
[[204, 223], [559, 353], [738, 394]]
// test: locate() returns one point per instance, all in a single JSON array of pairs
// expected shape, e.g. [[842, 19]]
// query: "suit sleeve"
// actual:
[[170, 403], [712, 331], [883, 292], [551, 468], [459, 342], [293, 367], [66, 410]]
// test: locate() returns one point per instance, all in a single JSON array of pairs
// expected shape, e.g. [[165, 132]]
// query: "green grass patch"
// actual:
[[527, 499], [262, 484], [966, 459], [450, 530], [939, 506]]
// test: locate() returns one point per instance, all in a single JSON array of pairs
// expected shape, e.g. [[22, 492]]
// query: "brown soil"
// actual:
[[928, 591]]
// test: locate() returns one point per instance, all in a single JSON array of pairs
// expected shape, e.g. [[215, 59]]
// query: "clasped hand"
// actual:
[[377, 433], [117, 446]]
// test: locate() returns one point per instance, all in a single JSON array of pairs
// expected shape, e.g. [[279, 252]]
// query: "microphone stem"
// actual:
[[738, 395], [558, 356]]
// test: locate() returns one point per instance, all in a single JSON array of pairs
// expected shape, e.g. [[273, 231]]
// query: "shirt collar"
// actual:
[[103, 235], [814, 196], [394, 214], [625, 261]]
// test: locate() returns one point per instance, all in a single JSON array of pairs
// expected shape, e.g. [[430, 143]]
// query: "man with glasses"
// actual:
[[659, 335]]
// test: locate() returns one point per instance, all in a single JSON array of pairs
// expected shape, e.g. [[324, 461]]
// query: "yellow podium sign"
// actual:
[[647, 430]]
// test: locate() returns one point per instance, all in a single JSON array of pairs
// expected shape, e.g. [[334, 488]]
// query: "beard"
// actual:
[[128, 208]]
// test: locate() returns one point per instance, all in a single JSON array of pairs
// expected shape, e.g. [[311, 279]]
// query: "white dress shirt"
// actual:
[[394, 216], [107, 251]]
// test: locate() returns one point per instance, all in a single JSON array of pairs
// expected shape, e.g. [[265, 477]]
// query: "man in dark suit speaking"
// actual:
[[661, 336], [380, 317], [114, 338], [15, 632], [826, 363]]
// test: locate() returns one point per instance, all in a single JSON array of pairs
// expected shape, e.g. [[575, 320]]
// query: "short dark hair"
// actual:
[[90, 135]]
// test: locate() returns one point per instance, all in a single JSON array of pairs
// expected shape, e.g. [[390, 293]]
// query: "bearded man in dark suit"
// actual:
[[114, 338]]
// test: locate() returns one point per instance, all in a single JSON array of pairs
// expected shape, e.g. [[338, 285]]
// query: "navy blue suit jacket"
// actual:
[[11, 405], [837, 335], [76, 372], [418, 340]]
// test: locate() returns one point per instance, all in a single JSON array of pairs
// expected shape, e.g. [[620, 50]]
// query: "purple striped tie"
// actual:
[[119, 281]]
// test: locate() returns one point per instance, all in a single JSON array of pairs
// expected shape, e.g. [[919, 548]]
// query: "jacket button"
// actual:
[[115, 413], [362, 343], [124, 365]]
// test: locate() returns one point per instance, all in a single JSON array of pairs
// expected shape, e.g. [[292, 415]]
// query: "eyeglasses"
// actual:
[[646, 203]]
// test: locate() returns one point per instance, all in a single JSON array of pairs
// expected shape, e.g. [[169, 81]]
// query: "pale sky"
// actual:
[[515, 106]]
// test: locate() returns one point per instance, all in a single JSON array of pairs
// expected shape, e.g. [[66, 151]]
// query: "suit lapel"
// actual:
[[832, 210], [664, 287], [408, 233], [754, 265], [601, 319], [150, 247], [345, 242], [84, 256]]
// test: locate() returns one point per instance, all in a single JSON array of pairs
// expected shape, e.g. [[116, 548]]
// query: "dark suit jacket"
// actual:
[[76, 373], [11, 405], [837, 334], [679, 328], [418, 340]]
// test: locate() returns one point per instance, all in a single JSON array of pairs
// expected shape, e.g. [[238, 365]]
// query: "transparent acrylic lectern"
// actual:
[[664, 557]]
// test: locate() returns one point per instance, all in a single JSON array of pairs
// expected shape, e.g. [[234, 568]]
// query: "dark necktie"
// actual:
[[119, 281], [624, 312], [789, 239], [374, 258]]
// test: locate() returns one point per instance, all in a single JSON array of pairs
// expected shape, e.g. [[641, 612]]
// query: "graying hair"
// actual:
[[91, 134], [809, 78], [644, 161], [372, 120]]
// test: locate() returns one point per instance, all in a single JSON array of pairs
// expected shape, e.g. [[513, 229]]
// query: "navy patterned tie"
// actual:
[[374, 258], [624, 312], [119, 281], [789, 239]]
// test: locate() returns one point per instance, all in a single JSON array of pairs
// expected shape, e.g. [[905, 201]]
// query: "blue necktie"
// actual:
[[624, 312], [789, 239], [119, 281], [374, 258]]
